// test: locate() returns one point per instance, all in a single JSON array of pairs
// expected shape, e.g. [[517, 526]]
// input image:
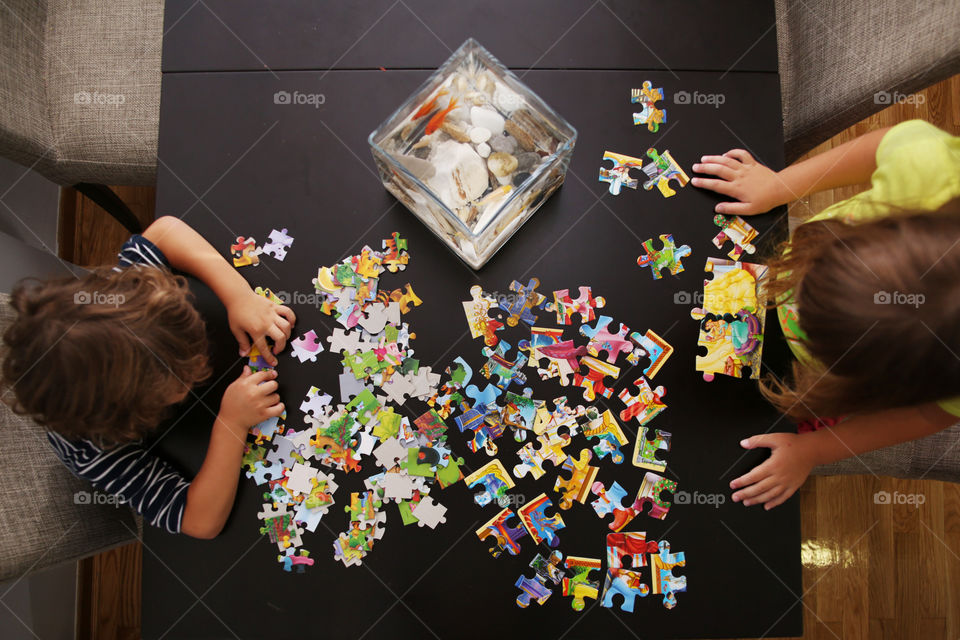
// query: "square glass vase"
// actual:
[[473, 153]]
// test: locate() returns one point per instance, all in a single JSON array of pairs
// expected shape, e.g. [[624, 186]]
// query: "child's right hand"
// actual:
[[250, 399], [758, 188]]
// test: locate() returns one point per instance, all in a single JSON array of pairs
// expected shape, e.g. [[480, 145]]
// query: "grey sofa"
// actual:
[[49, 516], [841, 62]]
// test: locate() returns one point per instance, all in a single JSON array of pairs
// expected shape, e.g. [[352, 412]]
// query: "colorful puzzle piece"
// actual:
[[601, 339], [626, 583], [493, 479], [652, 346], [663, 169], [666, 258], [580, 585], [649, 115], [577, 486], [542, 528], [645, 450], [593, 380], [610, 437], [633, 545], [619, 174], [661, 569], [737, 231], [650, 492], [245, 252], [307, 347], [507, 538], [585, 304], [646, 405], [611, 501]]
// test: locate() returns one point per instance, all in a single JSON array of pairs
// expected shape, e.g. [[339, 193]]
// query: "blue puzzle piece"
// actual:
[[486, 397], [531, 590], [626, 583]]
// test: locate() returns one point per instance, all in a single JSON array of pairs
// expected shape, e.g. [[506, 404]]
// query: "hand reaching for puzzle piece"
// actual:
[[740, 176]]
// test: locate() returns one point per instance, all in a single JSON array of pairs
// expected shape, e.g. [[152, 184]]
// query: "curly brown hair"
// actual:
[[879, 303], [103, 357]]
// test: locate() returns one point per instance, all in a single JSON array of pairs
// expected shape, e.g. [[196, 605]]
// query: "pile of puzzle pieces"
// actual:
[[547, 431], [404, 460]]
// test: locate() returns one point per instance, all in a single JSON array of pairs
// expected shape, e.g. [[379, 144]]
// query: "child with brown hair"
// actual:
[[100, 360], [868, 296]]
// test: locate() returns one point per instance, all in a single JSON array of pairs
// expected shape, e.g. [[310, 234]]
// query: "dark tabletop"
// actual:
[[234, 163], [693, 35]]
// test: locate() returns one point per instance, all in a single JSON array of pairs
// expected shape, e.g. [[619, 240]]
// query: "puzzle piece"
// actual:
[[593, 381], [649, 114], [611, 501], [602, 340], [626, 583], [405, 298], [450, 473], [564, 360], [478, 319], [661, 569], [520, 306], [532, 458], [645, 450], [485, 431], [633, 545], [307, 347], [506, 370], [618, 175], [245, 252], [666, 258], [299, 478], [390, 453], [548, 570], [316, 402], [493, 479], [610, 436], [650, 490], [507, 538], [429, 513], [291, 559], [577, 486], [737, 231], [279, 244], [732, 342], [264, 471], [395, 256], [585, 304], [580, 585], [430, 425], [663, 169], [646, 405], [378, 315], [542, 528], [653, 347]]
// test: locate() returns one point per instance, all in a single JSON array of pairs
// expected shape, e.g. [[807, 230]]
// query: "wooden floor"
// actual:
[[869, 570]]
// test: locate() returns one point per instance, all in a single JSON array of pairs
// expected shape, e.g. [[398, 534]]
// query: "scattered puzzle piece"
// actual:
[[737, 231], [650, 492], [649, 115], [577, 486], [493, 479], [507, 538], [307, 347], [645, 450], [278, 245], [668, 257], [618, 175], [542, 528], [626, 583], [661, 568], [663, 169], [580, 585], [646, 405]]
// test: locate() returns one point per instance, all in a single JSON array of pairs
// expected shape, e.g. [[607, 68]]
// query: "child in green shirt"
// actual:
[[867, 294]]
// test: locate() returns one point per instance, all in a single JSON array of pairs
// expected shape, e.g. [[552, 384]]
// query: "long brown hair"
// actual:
[[101, 357], [879, 303]]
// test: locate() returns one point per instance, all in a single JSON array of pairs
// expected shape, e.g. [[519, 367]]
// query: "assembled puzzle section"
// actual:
[[732, 319]]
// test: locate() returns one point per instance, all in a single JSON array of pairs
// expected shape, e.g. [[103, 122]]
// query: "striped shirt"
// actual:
[[130, 472]]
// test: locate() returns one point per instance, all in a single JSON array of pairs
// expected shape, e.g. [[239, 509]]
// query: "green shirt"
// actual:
[[918, 168]]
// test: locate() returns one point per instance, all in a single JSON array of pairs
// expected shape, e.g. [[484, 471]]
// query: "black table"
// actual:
[[234, 163]]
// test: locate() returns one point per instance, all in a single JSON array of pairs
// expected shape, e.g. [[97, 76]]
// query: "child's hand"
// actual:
[[772, 482], [758, 188], [253, 318], [250, 399]]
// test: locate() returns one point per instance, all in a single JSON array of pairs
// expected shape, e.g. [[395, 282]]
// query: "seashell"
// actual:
[[479, 134], [502, 165], [483, 149], [487, 118], [461, 175], [455, 131]]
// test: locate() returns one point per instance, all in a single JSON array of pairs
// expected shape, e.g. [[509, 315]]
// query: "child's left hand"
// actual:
[[253, 318], [778, 477]]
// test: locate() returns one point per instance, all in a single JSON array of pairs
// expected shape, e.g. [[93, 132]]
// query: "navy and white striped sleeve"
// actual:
[[140, 251], [148, 484]]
